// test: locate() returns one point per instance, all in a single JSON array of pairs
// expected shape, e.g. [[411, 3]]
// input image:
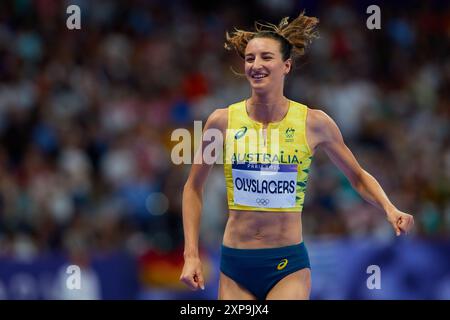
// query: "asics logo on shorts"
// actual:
[[262, 201], [282, 264]]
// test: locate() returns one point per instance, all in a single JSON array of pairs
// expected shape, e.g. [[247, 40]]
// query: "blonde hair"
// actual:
[[294, 36]]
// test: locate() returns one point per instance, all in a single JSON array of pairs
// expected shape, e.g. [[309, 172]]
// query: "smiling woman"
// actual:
[[269, 51], [263, 255]]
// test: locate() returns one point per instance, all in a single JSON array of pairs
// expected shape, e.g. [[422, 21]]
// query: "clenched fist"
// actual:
[[401, 221], [192, 274]]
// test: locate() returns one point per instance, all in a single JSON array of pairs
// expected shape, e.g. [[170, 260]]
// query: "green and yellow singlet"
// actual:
[[266, 174]]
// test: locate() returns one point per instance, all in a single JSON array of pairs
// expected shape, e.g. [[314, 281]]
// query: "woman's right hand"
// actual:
[[192, 274]]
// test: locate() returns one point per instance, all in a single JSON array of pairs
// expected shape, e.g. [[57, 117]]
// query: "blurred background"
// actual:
[[86, 117]]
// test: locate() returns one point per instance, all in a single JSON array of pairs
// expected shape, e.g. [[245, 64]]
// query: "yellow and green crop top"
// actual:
[[266, 174]]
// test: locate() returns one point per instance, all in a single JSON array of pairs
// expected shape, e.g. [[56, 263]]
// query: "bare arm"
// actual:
[[327, 136], [192, 205]]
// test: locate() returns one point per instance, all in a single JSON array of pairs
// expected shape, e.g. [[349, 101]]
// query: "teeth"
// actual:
[[259, 76]]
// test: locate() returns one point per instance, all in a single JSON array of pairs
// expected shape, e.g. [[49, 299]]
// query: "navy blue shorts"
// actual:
[[259, 270]]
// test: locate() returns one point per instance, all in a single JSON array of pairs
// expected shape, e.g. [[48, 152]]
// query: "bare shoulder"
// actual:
[[218, 119], [321, 128], [318, 120]]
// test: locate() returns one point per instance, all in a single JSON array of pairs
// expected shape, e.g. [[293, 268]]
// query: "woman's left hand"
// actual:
[[401, 221]]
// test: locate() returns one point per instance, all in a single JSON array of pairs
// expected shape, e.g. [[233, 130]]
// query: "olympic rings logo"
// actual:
[[262, 202]]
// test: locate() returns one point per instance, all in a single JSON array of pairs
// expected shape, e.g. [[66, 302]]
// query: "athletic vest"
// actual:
[[266, 174]]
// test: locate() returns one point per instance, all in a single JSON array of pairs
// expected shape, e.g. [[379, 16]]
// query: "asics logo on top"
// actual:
[[240, 133]]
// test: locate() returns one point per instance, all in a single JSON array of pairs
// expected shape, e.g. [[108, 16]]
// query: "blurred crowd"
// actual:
[[86, 117]]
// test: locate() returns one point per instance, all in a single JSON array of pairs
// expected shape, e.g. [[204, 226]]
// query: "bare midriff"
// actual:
[[258, 229]]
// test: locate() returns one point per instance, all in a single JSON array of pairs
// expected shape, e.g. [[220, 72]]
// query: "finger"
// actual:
[[192, 285], [406, 224], [397, 230], [402, 224], [189, 281], [201, 281]]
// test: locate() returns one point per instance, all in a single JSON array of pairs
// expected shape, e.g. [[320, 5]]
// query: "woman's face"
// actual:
[[264, 65]]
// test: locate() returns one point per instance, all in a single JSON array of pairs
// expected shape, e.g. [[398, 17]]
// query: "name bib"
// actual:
[[264, 185]]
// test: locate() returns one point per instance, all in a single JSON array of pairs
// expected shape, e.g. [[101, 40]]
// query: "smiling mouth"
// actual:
[[259, 76]]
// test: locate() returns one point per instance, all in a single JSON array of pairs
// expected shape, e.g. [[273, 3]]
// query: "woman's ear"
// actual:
[[288, 65]]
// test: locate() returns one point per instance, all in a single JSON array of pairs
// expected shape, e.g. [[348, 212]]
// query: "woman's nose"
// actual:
[[257, 63]]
